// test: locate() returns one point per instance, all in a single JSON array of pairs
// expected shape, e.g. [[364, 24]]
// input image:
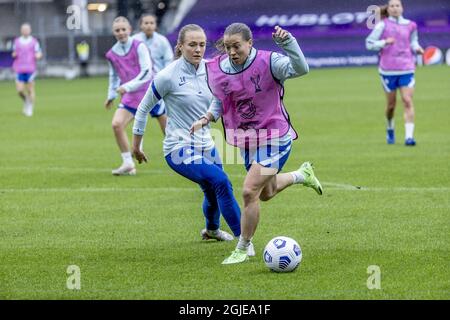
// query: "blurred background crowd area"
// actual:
[[331, 33]]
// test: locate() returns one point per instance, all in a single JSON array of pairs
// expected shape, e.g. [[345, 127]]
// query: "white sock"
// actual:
[[409, 130], [390, 123], [127, 159], [298, 177], [243, 243]]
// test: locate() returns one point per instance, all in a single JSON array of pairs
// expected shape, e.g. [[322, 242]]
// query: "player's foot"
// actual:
[[307, 171], [390, 136], [27, 109], [410, 142], [219, 235], [237, 256], [251, 250], [125, 170]]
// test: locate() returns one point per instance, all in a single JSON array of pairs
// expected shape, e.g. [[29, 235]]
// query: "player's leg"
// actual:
[[407, 92], [31, 95], [276, 157], [255, 181], [215, 185], [390, 90], [122, 117], [22, 92]]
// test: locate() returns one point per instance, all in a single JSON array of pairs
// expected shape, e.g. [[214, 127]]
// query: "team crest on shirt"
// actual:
[[246, 109], [256, 80]]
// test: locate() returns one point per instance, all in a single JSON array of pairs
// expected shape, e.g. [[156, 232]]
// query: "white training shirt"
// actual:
[[160, 49], [186, 95]]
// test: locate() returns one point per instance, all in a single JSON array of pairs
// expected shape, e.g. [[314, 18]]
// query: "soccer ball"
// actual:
[[282, 254]]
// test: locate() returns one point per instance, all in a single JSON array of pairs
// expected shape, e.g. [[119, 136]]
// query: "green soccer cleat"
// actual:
[[306, 170], [237, 256]]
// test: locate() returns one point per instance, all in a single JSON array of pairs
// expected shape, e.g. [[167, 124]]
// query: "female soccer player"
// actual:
[[248, 86], [161, 54], [397, 41], [130, 73], [183, 87], [26, 52]]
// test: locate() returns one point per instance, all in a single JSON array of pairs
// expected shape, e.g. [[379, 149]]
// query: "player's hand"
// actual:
[[108, 104], [390, 40], [121, 90], [14, 54], [280, 34], [420, 50], [200, 123], [139, 155]]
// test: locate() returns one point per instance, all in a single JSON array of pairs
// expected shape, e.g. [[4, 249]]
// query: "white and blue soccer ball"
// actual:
[[282, 254]]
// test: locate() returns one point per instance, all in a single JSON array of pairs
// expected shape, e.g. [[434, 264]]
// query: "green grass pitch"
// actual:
[[139, 237]]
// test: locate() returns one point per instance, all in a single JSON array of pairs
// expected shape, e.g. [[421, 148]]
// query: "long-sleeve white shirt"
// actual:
[[186, 95], [160, 49], [144, 75]]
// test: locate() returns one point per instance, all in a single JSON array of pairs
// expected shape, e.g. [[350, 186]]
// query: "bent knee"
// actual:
[[117, 125], [249, 195]]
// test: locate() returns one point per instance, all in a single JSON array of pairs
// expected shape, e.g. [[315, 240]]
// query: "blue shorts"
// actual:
[[392, 83], [25, 77], [158, 110], [269, 156], [128, 108]]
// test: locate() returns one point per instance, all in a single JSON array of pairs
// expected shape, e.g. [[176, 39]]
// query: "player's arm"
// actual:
[[38, 51], [114, 83], [157, 90], [14, 53], [145, 74], [214, 112], [290, 66], [415, 46], [374, 41]]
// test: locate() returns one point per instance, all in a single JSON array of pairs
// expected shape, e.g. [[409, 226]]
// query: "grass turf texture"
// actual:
[[139, 237]]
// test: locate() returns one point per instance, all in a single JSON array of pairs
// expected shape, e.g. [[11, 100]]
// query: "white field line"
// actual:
[[327, 186]]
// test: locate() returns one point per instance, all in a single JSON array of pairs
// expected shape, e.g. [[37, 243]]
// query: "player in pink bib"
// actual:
[[396, 40], [26, 52], [248, 87], [130, 75]]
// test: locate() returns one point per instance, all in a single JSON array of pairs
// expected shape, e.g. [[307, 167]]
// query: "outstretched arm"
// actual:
[[294, 64]]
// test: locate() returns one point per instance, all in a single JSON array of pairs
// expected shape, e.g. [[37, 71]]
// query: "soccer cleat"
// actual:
[[27, 109], [410, 142], [390, 136], [237, 256], [125, 170], [307, 171], [219, 235], [251, 250]]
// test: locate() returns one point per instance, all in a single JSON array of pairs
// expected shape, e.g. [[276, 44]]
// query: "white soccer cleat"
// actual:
[[219, 235], [251, 250], [125, 170], [27, 109]]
